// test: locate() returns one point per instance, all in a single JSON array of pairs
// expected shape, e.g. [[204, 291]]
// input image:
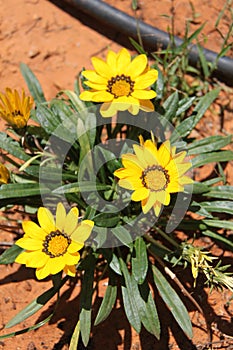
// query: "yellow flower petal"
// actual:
[[139, 194], [32, 230], [131, 160], [71, 221], [93, 76], [146, 105], [185, 180], [157, 208], [74, 246], [148, 203], [127, 172], [46, 220], [71, 259], [95, 86], [70, 270], [102, 68], [112, 61], [146, 80], [144, 94], [83, 231], [4, 174], [137, 66], [163, 197], [36, 259], [29, 243], [123, 60], [60, 216], [164, 153], [22, 258]]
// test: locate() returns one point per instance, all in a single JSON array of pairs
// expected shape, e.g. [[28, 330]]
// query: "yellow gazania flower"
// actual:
[[120, 83], [15, 110], [153, 174], [4, 174], [53, 246]]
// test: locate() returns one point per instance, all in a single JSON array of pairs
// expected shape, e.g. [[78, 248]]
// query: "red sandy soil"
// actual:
[[56, 46]]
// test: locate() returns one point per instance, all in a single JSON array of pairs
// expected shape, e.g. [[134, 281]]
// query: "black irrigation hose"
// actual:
[[152, 37]]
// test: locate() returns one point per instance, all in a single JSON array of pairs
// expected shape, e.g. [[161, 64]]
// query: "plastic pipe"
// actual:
[[151, 36]]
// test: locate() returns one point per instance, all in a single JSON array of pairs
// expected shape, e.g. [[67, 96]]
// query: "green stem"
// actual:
[[167, 237]]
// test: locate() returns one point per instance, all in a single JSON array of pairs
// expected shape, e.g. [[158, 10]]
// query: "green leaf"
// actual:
[[108, 301], [9, 256], [86, 299], [107, 220], [184, 104], [218, 237], [75, 337], [218, 206], [223, 224], [130, 304], [199, 187], [171, 106], [82, 186], [32, 83], [222, 192], [209, 144], [123, 235], [28, 329], [186, 126], [47, 118], [159, 84], [76, 103], [139, 261], [149, 317], [204, 63], [22, 190], [35, 305], [173, 301], [12, 147], [213, 157]]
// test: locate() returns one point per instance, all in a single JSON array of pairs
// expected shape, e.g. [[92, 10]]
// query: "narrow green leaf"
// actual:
[[204, 63], [9, 256], [224, 224], [209, 144], [218, 237], [184, 104], [28, 329], [47, 118], [75, 337], [220, 156], [139, 261], [32, 83], [77, 104], [159, 84], [173, 301], [108, 301], [35, 305], [81, 186], [186, 126], [123, 235], [149, 318], [86, 299], [218, 206], [171, 106], [130, 304], [107, 220], [193, 36], [222, 192], [22, 190], [12, 147]]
